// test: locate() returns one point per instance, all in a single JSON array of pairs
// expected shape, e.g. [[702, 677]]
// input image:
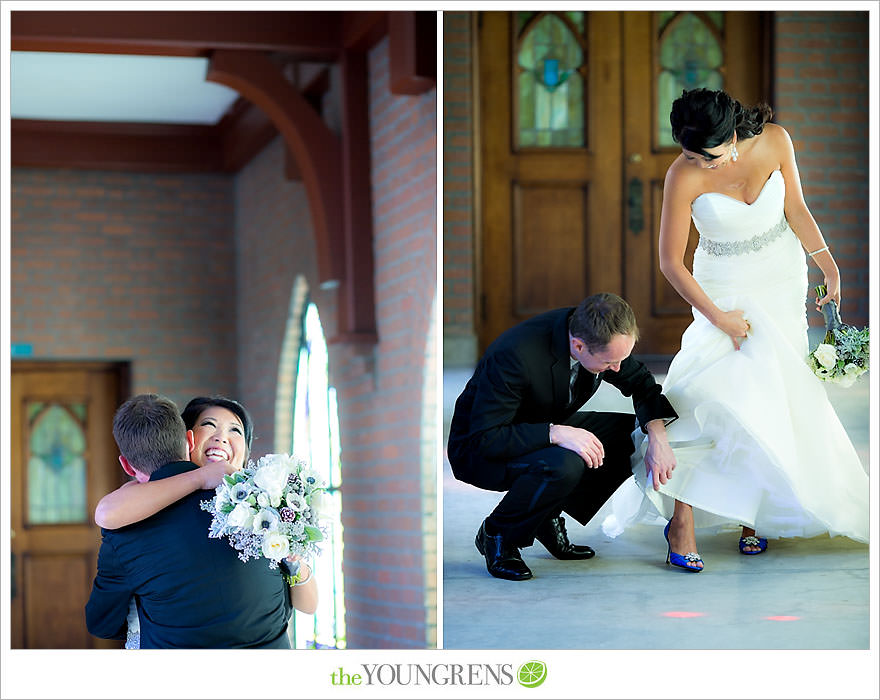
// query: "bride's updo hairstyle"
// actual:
[[704, 118]]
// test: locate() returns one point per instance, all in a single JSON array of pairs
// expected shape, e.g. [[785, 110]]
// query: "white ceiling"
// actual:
[[114, 88]]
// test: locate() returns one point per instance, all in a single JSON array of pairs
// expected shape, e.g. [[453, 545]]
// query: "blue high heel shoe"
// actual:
[[752, 541], [682, 561]]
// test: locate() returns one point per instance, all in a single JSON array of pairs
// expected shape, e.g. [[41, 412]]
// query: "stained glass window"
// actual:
[[316, 437], [56, 473], [690, 56], [550, 79]]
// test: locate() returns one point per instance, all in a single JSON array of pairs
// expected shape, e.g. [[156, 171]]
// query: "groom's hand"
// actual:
[[213, 472], [582, 442], [659, 458]]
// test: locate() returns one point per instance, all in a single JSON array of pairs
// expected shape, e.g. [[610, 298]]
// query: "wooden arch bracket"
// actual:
[[335, 174]]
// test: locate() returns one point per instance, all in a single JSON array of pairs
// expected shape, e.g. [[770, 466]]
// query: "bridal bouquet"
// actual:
[[843, 355], [269, 509]]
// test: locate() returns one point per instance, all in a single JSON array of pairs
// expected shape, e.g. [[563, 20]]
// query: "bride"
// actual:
[[760, 445]]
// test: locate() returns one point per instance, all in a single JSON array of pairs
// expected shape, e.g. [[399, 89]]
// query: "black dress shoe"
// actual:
[[553, 536], [502, 560]]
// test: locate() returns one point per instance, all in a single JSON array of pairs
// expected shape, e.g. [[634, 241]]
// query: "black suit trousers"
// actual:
[[542, 484]]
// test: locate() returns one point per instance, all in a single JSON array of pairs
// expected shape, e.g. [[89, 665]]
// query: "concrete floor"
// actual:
[[800, 594]]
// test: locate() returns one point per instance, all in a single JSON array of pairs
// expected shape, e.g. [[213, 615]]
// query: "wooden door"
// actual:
[[550, 215], [557, 223], [662, 314], [63, 461]]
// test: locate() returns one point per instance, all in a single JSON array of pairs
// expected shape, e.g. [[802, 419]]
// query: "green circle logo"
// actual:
[[532, 673]]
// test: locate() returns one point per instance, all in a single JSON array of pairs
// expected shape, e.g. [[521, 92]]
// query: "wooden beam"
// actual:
[[412, 49], [306, 35], [362, 30], [356, 306], [244, 131], [115, 146], [316, 148]]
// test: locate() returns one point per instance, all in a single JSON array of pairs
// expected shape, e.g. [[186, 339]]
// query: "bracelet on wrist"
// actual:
[[297, 582]]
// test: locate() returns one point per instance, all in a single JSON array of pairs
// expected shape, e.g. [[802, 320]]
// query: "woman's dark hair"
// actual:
[[704, 118], [195, 407], [600, 317]]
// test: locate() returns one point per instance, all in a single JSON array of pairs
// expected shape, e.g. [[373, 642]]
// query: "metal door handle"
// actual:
[[635, 215]]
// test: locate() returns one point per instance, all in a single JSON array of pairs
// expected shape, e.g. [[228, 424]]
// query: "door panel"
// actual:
[[54, 586], [63, 461], [550, 217], [559, 223], [549, 248]]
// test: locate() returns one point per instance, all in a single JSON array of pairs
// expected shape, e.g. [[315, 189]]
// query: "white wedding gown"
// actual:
[[757, 442], [133, 635]]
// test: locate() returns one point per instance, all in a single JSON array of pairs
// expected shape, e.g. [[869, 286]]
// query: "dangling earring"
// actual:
[[734, 154]]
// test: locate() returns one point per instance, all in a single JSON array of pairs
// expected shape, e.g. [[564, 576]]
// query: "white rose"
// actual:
[[272, 477], [826, 355], [266, 520], [263, 500], [853, 369], [275, 546], [240, 516]]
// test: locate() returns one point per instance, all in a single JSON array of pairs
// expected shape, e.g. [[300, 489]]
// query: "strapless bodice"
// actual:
[[728, 226]]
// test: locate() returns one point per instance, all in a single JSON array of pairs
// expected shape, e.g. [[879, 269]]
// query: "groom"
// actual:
[[192, 591], [516, 428]]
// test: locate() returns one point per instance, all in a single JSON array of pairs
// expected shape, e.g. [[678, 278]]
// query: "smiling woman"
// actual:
[[222, 431]]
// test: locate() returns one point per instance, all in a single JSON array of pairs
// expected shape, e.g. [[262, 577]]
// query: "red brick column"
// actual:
[[380, 394], [822, 100]]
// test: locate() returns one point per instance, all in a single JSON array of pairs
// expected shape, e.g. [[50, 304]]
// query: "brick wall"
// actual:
[[273, 245], [123, 266], [822, 100], [381, 409], [459, 339], [379, 388]]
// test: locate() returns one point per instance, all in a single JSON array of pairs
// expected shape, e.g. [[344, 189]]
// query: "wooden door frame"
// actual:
[[604, 274]]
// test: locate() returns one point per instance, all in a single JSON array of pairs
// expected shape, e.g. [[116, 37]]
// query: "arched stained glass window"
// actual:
[[550, 79], [56, 472], [308, 425], [690, 55]]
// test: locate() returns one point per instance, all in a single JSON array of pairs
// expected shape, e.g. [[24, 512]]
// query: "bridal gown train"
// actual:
[[757, 443]]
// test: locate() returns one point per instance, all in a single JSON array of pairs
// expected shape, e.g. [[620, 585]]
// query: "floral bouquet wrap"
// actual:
[[842, 357], [269, 509]]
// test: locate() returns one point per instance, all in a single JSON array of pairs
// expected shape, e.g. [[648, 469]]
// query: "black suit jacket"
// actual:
[[191, 591], [521, 385]]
